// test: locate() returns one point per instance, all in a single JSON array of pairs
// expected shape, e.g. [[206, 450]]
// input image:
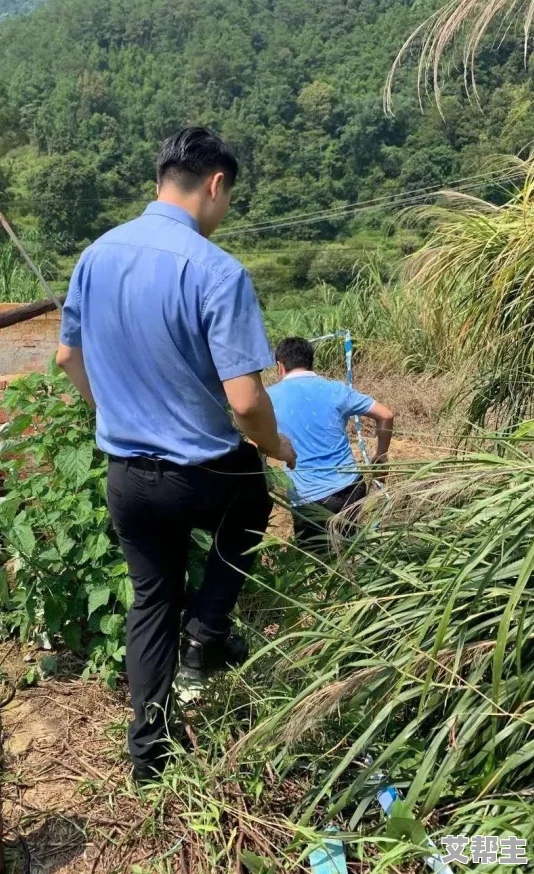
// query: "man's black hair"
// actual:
[[192, 154], [295, 352]]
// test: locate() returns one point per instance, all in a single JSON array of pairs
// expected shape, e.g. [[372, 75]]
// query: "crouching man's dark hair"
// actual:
[[295, 352]]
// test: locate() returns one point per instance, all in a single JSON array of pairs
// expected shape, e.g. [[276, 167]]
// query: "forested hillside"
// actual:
[[89, 87], [17, 7]]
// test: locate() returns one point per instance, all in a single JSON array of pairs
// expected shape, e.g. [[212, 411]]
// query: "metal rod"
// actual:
[[350, 381], [31, 264]]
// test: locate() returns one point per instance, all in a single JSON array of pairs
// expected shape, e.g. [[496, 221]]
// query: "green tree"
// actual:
[[4, 189], [66, 198], [316, 101], [427, 167], [295, 85]]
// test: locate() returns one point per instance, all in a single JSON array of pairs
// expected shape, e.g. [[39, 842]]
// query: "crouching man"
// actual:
[[314, 413]]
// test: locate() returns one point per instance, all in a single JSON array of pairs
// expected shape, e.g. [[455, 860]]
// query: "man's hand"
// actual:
[[284, 452], [384, 429], [380, 461], [254, 416]]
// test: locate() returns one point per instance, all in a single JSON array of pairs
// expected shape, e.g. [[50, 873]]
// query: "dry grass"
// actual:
[[70, 806], [467, 23]]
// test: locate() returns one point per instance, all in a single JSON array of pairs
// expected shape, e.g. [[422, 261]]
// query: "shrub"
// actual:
[[68, 576], [334, 267]]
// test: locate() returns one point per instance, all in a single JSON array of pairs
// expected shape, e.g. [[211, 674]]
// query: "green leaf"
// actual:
[[123, 590], [49, 555], [48, 666], [111, 624], [30, 677], [96, 546], [256, 864], [72, 636], [119, 654], [22, 536], [54, 611], [402, 824], [4, 587], [98, 597], [18, 425], [74, 463], [64, 543], [118, 569], [9, 508]]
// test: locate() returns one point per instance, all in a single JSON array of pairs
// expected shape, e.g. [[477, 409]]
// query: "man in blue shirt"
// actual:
[[314, 413], [161, 332]]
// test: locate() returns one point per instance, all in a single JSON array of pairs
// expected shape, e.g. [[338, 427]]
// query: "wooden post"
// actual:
[[31, 264], [29, 311]]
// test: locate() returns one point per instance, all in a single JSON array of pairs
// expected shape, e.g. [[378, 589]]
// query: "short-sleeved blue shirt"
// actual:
[[163, 317], [314, 413]]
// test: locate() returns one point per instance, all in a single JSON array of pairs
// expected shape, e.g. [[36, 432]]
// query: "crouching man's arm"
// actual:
[[384, 429]]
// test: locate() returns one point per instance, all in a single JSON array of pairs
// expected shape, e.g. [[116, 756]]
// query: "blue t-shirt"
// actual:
[[314, 413], [163, 316]]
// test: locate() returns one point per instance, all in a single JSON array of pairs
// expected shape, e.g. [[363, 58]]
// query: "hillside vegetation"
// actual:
[[88, 88], [9, 8]]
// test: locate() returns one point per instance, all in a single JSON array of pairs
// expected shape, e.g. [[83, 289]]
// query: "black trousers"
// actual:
[[310, 521], [154, 507]]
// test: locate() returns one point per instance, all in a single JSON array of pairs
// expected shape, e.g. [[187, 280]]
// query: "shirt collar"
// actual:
[[169, 210], [296, 373]]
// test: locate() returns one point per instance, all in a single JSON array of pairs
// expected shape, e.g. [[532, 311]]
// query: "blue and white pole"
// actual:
[[357, 423], [350, 381]]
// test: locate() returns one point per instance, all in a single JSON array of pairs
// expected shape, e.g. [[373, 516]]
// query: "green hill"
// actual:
[[89, 87], [17, 7]]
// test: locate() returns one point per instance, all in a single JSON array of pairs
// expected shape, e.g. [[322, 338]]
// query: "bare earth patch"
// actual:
[[56, 746]]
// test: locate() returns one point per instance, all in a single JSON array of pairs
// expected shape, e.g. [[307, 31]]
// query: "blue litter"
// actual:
[[386, 798], [330, 858]]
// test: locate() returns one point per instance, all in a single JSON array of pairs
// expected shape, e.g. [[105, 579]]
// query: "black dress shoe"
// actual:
[[180, 736], [200, 660], [151, 771], [148, 772]]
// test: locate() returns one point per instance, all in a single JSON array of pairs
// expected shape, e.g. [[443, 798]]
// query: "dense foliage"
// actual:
[[17, 7], [477, 263], [67, 573], [88, 88]]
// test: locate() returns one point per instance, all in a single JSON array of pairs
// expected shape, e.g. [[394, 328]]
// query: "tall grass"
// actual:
[[389, 322], [415, 646], [17, 283], [465, 23], [478, 265]]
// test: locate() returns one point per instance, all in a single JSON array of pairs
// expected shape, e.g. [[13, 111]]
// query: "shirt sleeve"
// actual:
[[354, 403], [71, 322], [234, 326]]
